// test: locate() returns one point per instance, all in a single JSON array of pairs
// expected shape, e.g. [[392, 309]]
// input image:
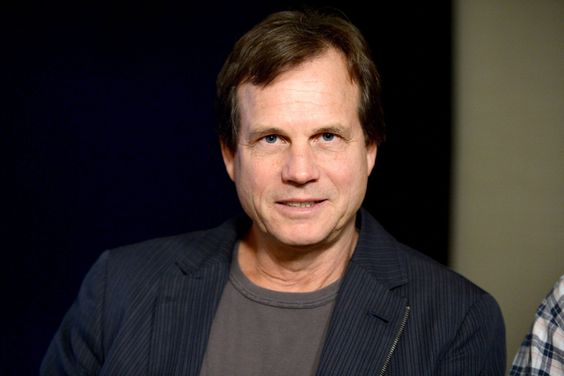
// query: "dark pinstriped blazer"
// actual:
[[147, 309]]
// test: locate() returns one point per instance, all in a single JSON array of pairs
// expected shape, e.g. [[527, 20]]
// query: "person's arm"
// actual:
[[479, 346], [542, 351], [76, 348]]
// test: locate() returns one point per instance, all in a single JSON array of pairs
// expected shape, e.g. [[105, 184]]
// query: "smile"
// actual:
[[300, 204]]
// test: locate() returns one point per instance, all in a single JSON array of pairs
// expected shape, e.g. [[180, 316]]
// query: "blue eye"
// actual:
[[271, 138], [328, 136]]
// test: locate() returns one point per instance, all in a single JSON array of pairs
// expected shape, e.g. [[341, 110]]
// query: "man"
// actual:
[[307, 283]]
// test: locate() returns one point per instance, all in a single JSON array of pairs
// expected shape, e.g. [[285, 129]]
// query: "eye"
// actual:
[[328, 136], [271, 138]]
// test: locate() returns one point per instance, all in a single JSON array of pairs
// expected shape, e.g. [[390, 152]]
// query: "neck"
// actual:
[[285, 268]]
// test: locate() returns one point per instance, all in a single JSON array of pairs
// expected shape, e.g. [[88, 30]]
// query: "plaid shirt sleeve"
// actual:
[[542, 351]]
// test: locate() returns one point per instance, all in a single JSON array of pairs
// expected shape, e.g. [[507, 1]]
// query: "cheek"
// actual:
[[346, 170], [349, 177], [254, 179]]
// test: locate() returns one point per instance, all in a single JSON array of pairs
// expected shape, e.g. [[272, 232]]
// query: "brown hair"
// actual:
[[281, 42]]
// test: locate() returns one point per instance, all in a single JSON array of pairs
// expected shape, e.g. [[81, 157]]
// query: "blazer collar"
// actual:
[[377, 252], [366, 319], [212, 246]]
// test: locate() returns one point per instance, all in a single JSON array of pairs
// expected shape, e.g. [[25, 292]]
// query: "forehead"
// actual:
[[318, 88]]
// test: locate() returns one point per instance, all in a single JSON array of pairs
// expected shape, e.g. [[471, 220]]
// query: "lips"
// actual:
[[300, 203]]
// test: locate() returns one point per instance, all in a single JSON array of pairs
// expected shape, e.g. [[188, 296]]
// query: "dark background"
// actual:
[[108, 128]]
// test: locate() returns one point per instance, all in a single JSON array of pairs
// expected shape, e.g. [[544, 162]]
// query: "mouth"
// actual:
[[300, 204]]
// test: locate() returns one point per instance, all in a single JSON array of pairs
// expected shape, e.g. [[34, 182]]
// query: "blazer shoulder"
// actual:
[[183, 253], [153, 253], [126, 271], [441, 289]]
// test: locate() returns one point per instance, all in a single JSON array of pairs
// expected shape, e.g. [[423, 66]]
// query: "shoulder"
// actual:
[[144, 263], [430, 277], [121, 276], [429, 287], [452, 304], [537, 351], [454, 307], [413, 271], [190, 249], [153, 254], [459, 325], [549, 318], [555, 300]]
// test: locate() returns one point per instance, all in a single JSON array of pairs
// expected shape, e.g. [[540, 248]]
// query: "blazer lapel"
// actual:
[[184, 310], [365, 324], [183, 319], [369, 317]]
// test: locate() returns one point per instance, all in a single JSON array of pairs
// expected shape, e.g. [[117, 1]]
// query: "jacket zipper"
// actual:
[[396, 340]]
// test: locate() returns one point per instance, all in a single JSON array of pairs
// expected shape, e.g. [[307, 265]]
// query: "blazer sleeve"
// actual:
[[479, 346], [77, 347]]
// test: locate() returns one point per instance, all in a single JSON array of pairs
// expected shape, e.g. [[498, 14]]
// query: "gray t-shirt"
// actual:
[[263, 332]]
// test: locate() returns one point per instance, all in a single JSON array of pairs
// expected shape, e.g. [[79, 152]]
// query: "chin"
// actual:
[[299, 234], [302, 239]]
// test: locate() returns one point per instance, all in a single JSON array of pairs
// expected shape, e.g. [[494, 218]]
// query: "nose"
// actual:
[[300, 165]]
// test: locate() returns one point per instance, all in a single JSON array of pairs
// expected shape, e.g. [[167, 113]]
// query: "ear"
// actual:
[[371, 151], [229, 160]]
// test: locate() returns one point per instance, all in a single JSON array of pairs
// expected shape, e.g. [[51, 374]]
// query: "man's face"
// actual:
[[302, 164]]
